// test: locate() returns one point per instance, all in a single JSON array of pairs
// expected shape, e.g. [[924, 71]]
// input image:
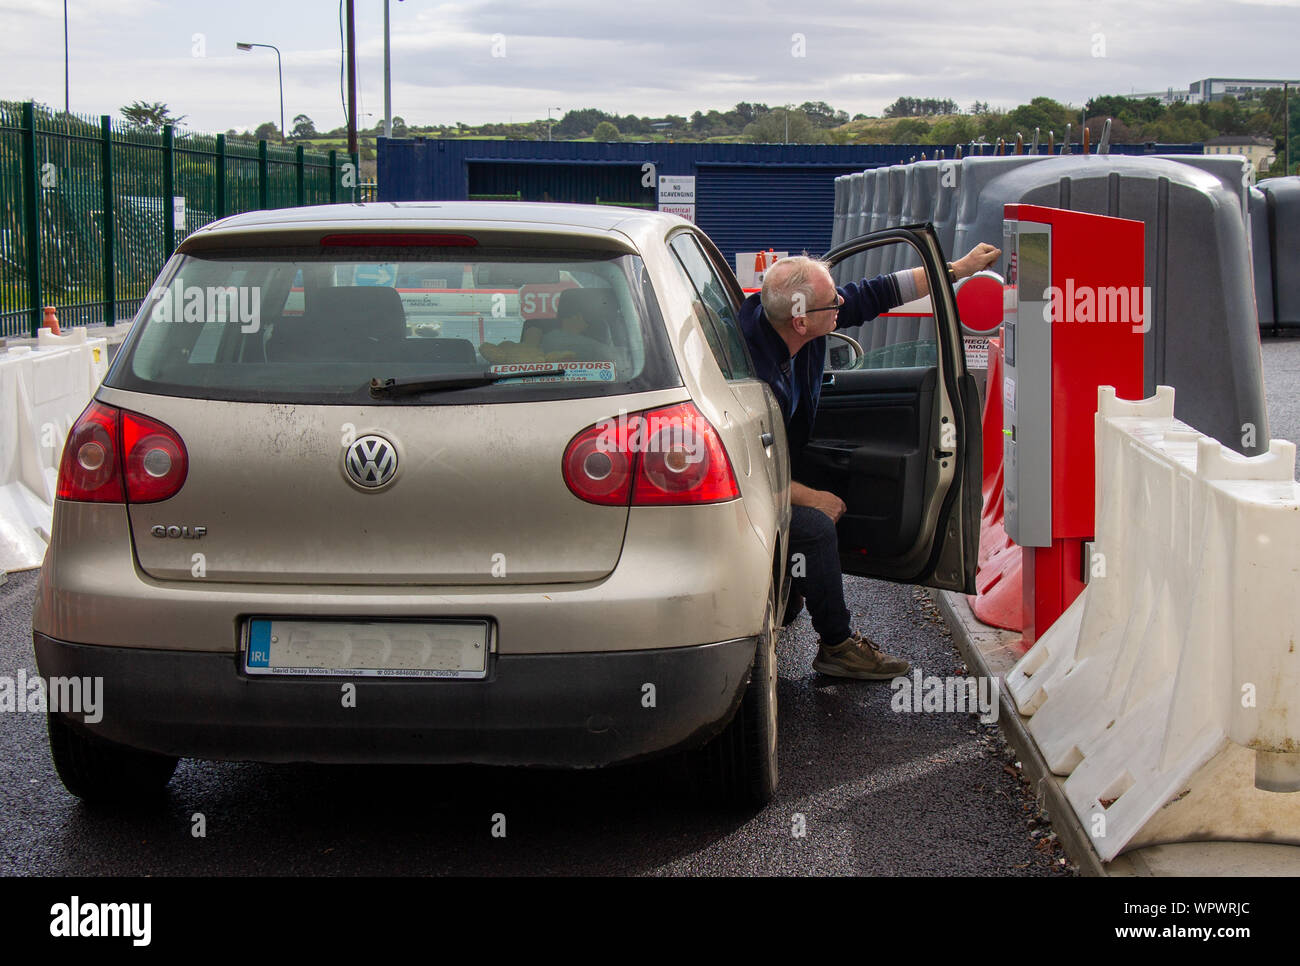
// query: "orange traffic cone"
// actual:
[[51, 320]]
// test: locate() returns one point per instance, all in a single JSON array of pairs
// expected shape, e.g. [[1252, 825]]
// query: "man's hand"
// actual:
[[828, 503], [976, 260]]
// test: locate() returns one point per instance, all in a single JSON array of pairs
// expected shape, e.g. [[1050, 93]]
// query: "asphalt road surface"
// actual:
[[873, 791]]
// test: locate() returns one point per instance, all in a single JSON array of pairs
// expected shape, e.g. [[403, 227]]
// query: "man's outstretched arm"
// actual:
[[976, 260]]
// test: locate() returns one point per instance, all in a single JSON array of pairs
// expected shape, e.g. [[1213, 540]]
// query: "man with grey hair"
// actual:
[[786, 328]]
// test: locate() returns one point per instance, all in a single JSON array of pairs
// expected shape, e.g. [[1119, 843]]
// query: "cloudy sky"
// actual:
[[499, 60]]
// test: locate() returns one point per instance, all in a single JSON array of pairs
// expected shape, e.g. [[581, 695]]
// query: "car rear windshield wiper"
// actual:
[[399, 387]]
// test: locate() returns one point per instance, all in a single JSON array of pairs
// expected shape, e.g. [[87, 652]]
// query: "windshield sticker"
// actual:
[[572, 371]]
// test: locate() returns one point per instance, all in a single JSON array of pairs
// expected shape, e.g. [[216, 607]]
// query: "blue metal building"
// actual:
[[748, 196]]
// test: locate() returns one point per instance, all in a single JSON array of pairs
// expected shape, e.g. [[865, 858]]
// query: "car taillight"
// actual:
[[89, 471], [113, 456], [660, 457], [156, 461]]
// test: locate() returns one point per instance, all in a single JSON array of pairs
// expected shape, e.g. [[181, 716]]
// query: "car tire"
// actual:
[[102, 772], [739, 766]]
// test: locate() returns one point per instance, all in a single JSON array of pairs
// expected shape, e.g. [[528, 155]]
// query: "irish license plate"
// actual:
[[414, 649]]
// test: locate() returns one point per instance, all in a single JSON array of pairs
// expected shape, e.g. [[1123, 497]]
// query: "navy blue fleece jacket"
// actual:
[[863, 301]]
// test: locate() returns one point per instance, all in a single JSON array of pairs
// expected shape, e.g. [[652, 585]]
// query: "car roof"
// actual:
[[513, 216]]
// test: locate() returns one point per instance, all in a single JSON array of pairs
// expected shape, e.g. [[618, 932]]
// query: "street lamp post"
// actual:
[[279, 71], [388, 79], [67, 99], [548, 120]]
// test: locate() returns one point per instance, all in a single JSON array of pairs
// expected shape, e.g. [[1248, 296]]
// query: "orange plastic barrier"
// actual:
[[998, 599]]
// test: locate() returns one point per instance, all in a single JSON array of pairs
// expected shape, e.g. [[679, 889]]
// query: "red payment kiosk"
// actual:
[[1073, 319]]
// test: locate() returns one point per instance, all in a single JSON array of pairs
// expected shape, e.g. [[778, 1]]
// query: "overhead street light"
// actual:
[[388, 79], [548, 120], [279, 70]]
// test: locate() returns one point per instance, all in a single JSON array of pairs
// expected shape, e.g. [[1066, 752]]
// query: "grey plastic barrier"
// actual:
[[1261, 257], [898, 176], [861, 222], [1283, 196], [892, 256], [842, 190], [918, 207], [844, 194], [975, 220], [859, 216], [947, 193], [1232, 171], [880, 206], [1203, 337]]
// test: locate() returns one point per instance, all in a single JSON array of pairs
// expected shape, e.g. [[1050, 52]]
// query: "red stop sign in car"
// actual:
[[539, 300]]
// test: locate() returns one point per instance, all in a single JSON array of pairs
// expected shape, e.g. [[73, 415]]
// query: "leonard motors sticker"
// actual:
[[572, 371]]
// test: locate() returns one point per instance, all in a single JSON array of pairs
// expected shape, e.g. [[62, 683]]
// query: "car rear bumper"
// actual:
[[561, 710]]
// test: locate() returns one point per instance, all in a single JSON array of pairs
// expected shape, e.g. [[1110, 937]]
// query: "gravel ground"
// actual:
[[1281, 357]]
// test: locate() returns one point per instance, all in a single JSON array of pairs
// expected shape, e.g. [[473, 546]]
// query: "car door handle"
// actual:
[[828, 379], [767, 439]]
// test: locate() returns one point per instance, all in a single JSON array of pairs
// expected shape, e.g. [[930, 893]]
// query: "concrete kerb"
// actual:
[[988, 651]]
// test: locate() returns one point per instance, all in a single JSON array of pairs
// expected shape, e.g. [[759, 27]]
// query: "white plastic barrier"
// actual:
[[42, 392], [1169, 692]]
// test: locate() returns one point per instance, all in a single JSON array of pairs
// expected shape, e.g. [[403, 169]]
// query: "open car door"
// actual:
[[897, 437]]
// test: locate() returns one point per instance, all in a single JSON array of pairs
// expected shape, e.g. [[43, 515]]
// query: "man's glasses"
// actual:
[[839, 302]]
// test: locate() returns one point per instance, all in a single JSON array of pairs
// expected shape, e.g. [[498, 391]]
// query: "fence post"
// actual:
[[262, 175], [302, 187], [169, 188], [109, 226], [31, 216], [221, 176], [334, 177]]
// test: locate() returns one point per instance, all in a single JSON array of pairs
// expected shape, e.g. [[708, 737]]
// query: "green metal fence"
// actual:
[[90, 210]]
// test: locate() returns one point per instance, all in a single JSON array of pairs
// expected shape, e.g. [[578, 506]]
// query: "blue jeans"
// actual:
[[812, 535]]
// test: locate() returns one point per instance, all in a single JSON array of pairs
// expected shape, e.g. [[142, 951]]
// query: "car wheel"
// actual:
[[740, 765], [99, 771]]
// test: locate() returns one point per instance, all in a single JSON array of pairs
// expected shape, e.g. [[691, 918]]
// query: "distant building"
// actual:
[[1217, 88], [1258, 151], [1212, 89], [1166, 97]]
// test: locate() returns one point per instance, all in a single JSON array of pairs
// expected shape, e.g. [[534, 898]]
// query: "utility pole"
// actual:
[[352, 78], [1286, 115], [388, 80]]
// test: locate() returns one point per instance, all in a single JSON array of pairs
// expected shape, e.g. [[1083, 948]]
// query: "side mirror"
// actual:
[[842, 352]]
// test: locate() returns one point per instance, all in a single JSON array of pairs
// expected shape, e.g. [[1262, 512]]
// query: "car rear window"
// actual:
[[317, 325]]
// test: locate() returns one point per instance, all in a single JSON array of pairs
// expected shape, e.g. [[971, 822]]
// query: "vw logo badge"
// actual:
[[371, 462]]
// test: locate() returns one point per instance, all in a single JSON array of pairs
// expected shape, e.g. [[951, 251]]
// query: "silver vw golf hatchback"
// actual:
[[424, 483]]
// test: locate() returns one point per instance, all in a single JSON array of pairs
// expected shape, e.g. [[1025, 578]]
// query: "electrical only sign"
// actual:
[[677, 196]]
